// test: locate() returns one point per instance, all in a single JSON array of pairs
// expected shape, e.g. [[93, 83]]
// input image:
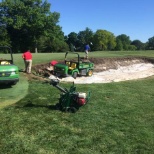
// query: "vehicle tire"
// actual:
[[74, 75], [13, 83], [90, 73]]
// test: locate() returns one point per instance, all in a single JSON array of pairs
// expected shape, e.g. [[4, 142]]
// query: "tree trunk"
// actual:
[[36, 50]]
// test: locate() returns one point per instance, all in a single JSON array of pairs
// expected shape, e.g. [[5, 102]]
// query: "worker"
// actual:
[[27, 57], [51, 66], [86, 50]]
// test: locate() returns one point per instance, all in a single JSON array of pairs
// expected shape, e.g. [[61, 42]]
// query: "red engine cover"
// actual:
[[81, 101], [54, 62]]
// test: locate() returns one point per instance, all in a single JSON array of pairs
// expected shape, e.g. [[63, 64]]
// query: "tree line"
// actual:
[[29, 24]]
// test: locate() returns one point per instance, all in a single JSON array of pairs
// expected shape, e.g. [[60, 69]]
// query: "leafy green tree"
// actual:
[[84, 37], [150, 43], [104, 40], [72, 40], [48, 44], [4, 38], [55, 41], [111, 41], [28, 20], [132, 47], [138, 44], [123, 42], [119, 45]]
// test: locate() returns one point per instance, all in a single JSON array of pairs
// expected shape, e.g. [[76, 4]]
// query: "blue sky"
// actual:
[[135, 18]]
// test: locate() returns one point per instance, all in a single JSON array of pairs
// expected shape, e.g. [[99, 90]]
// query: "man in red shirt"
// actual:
[[27, 56]]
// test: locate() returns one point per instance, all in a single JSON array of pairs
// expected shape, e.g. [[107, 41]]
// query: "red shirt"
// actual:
[[27, 55]]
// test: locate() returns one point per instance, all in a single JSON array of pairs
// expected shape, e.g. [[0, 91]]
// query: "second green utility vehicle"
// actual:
[[9, 73], [74, 67]]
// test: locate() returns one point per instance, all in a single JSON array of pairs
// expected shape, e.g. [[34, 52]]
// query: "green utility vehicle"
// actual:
[[9, 73], [74, 67]]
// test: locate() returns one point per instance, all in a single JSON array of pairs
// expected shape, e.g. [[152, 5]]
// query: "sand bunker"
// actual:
[[122, 73]]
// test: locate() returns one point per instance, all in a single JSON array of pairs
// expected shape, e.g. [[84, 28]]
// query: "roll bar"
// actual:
[[9, 50], [73, 53]]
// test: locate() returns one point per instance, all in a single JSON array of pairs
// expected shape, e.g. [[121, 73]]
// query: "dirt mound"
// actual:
[[102, 64]]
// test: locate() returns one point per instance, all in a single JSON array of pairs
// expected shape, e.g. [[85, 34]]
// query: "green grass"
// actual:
[[118, 119], [10, 95]]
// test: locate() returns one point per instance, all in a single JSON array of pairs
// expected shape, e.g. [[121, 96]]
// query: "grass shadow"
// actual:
[[31, 105], [5, 86], [22, 70]]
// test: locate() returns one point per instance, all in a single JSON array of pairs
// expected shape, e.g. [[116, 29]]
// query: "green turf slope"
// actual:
[[11, 95]]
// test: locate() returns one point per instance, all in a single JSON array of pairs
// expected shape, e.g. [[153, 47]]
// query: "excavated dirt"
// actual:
[[104, 65]]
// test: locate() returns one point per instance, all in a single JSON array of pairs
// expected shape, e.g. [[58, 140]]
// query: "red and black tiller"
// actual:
[[70, 100]]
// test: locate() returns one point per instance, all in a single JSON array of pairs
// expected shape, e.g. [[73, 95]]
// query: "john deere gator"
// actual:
[[73, 67], [9, 73]]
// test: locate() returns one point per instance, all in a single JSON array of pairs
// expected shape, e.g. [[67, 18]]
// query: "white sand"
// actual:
[[131, 72]]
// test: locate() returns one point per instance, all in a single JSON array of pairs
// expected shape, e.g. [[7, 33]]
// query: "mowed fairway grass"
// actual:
[[118, 118]]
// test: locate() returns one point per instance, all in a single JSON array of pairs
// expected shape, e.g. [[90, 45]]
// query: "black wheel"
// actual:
[[65, 109], [58, 106], [90, 73], [75, 75], [13, 83], [72, 109]]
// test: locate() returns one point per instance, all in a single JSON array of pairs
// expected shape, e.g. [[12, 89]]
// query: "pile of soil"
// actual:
[[102, 64]]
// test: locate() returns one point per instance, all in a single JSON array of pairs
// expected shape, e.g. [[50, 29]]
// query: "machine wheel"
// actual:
[[65, 109], [72, 109], [90, 73], [74, 75], [58, 106]]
